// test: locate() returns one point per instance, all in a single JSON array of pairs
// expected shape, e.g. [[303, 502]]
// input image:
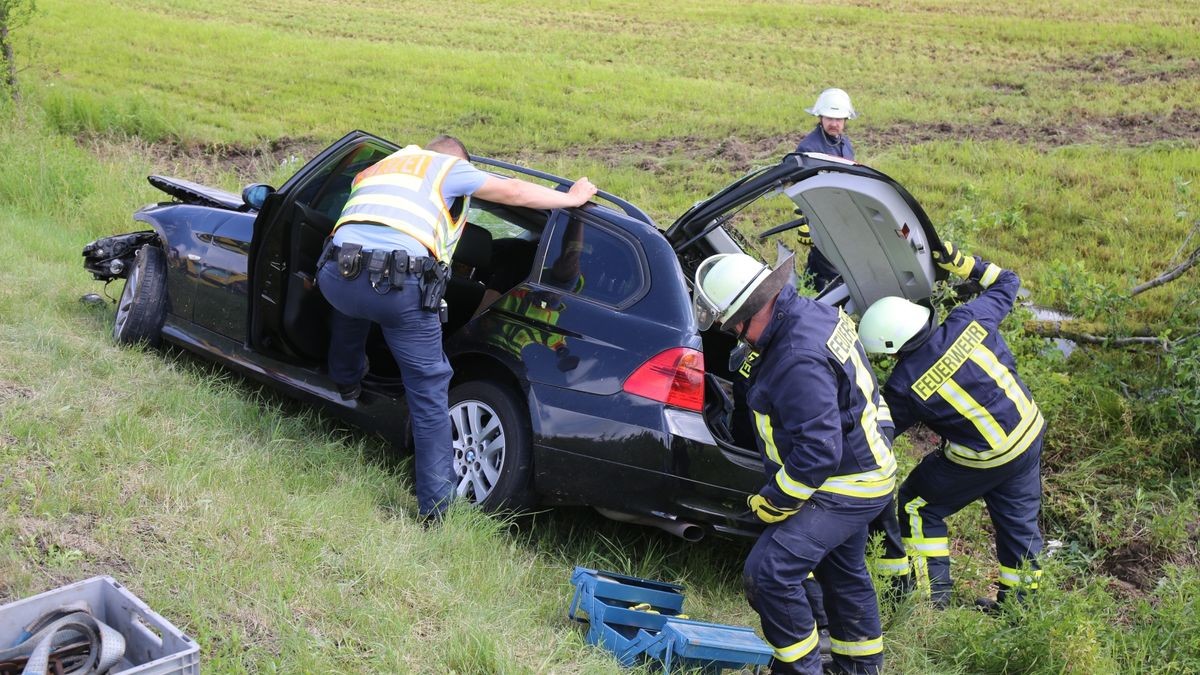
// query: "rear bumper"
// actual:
[[637, 456]]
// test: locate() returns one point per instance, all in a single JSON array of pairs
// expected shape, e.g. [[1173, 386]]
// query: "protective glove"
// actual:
[[954, 261], [766, 511], [803, 232]]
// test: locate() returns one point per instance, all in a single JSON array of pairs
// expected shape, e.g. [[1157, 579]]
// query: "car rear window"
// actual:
[[593, 262]]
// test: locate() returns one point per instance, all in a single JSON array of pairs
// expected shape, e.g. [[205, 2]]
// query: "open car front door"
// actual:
[[288, 316]]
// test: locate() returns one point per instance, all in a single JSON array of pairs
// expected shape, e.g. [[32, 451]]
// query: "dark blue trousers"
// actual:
[[820, 269], [938, 488], [893, 563], [414, 336], [828, 537]]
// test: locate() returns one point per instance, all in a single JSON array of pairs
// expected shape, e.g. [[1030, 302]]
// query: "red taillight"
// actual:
[[675, 377]]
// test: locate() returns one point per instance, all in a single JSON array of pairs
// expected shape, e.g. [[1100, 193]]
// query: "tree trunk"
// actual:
[[10, 65]]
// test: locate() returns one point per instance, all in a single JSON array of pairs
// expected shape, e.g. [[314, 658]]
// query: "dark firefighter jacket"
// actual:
[[818, 141], [962, 382], [817, 407]]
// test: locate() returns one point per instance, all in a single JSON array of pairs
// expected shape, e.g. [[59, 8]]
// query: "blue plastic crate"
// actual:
[[655, 630]]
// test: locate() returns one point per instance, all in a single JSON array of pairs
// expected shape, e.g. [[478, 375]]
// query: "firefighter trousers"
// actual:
[[938, 488], [892, 562], [828, 537]]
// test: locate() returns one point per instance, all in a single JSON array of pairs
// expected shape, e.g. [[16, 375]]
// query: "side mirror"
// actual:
[[255, 195]]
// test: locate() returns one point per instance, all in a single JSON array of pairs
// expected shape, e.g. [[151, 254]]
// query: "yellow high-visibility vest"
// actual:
[[404, 191]]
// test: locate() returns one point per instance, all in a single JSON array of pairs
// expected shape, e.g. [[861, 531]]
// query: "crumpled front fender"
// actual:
[[110, 258]]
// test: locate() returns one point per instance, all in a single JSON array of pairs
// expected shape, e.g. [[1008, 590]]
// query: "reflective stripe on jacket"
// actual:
[[817, 406], [404, 191], [962, 382]]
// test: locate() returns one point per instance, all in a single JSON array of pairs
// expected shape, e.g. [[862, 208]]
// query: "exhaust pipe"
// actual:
[[682, 529]]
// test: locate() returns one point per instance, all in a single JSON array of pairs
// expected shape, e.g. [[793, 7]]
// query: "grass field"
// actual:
[[1061, 140]]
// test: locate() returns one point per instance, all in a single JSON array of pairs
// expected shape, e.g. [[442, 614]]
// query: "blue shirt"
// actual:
[[817, 408], [462, 180], [962, 381], [819, 141]]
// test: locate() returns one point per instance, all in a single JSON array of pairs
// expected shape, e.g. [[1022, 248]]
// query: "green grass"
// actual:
[[285, 542], [513, 75]]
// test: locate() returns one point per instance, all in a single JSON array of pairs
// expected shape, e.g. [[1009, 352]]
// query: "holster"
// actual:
[[433, 276], [349, 260]]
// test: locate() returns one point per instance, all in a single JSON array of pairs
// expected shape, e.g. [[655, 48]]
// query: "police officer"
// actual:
[[829, 467], [960, 380], [385, 263], [832, 109]]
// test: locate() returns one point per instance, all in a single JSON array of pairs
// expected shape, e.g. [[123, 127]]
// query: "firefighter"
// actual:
[[387, 263], [960, 380], [828, 464], [893, 561], [831, 109]]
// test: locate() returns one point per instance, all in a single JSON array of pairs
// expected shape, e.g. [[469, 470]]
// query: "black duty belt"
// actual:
[[387, 270], [401, 261]]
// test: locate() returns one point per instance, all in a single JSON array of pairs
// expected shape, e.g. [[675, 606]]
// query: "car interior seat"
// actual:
[[470, 262]]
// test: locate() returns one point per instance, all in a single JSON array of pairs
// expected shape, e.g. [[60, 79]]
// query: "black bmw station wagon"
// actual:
[[580, 376]]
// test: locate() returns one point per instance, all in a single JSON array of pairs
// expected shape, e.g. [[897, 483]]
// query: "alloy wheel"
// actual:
[[479, 445]]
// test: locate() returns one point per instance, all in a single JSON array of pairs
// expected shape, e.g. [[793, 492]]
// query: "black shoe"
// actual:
[[824, 643], [988, 606], [349, 392], [430, 521]]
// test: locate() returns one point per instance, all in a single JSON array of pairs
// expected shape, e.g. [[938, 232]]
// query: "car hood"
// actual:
[[194, 193], [867, 225]]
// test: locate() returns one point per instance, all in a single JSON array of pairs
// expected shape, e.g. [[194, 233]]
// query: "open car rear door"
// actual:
[[868, 226]]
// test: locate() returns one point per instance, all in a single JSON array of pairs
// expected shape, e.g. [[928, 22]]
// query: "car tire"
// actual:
[[492, 453], [142, 307]]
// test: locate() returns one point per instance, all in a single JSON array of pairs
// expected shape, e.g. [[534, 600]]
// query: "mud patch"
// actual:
[[735, 152], [1136, 566], [212, 164], [1124, 68], [67, 543], [1119, 130], [922, 441], [1133, 564], [10, 391], [206, 163], [739, 153]]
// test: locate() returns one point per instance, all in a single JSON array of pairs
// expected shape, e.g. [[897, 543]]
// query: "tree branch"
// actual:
[[1078, 332], [1169, 275]]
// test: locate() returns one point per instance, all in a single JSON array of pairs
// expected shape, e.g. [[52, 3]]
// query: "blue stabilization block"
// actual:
[[638, 619]]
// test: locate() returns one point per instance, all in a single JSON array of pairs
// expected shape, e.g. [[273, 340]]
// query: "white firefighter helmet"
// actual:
[[731, 287], [833, 103], [891, 322]]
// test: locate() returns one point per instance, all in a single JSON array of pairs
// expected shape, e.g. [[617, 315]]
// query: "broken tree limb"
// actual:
[[1169, 275], [1086, 333]]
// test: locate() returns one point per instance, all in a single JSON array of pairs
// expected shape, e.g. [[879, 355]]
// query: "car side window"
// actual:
[[328, 191], [592, 261], [515, 233]]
